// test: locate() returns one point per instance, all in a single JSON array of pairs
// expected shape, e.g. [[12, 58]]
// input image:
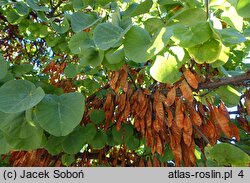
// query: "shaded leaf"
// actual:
[[19, 95]]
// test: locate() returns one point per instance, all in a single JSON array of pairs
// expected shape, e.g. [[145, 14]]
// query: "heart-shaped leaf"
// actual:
[[99, 141], [19, 95], [79, 41], [62, 27], [91, 57], [207, 52], [139, 46], [74, 142], [106, 35], [165, 69], [59, 115], [81, 21], [188, 36], [54, 145], [226, 154], [97, 116], [115, 56]]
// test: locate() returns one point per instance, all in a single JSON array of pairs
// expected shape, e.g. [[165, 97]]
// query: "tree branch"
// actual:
[[235, 81]]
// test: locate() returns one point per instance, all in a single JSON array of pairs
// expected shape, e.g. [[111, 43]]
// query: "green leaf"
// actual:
[[140, 47], [59, 115], [81, 21], [21, 8], [4, 2], [74, 142], [138, 9], [227, 155], [71, 70], [228, 95], [13, 17], [132, 143], [208, 52], [116, 55], [3, 67], [34, 141], [4, 146], [223, 58], [33, 4], [90, 132], [10, 121], [97, 116], [62, 27], [68, 159], [16, 125], [230, 37], [106, 35], [243, 7], [54, 145], [165, 69], [80, 41], [152, 25], [117, 135], [37, 30], [167, 156], [113, 67], [78, 4], [103, 2], [137, 41], [19, 95], [190, 16], [22, 69], [91, 57], [188, 36], [99, 141], [110, 139]]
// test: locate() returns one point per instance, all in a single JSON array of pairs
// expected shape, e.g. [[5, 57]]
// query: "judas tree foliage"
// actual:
[[124, 83]]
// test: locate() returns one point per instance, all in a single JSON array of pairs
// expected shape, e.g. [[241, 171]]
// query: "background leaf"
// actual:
[[226, 154], [19, 95]]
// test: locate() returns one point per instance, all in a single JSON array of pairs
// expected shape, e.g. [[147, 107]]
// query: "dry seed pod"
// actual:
[[186, 91], [160, 113], [187, 138], [223, 122], [156, 125], [159, 145], [148, 116], [188, 129], [179, 114], [194, 115], [170, 117], [114, 79], [170, 97], [191, 79], [123, 79]]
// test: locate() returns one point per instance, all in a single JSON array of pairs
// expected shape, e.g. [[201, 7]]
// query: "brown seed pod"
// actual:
[[191, 79], [186, 91]]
